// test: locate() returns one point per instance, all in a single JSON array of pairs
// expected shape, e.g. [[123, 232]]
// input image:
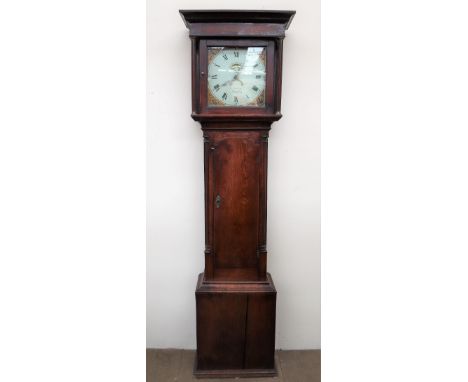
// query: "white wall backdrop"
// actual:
[[175, 220]]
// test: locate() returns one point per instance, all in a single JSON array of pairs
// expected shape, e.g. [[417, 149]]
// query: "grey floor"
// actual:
[[177, 365]]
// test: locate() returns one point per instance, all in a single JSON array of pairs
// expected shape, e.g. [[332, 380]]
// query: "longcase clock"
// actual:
[[236, 96]]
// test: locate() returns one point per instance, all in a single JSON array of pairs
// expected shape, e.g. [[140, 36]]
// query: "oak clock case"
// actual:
[[236, 96]]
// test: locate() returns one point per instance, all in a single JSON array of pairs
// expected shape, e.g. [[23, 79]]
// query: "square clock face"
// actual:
[[236, 76]]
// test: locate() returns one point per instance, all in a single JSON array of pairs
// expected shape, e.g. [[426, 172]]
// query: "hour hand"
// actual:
[[236, 78]]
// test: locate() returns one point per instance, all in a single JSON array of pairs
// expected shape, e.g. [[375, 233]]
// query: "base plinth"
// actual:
[[235, 329], [239, 373]]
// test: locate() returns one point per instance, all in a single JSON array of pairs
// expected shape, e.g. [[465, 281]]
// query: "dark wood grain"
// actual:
[[236, 184], [260, 331], [235, 296], [214, 16], [235, 328], [235, 229], [236, 30], [221, 326]]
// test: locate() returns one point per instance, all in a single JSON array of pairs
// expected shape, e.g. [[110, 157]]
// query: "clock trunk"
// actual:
[[235, 165]]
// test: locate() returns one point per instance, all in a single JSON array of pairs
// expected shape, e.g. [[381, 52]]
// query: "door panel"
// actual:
[[236, 195]]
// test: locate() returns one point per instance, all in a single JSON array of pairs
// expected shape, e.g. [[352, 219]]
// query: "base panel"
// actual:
[[235, 329]]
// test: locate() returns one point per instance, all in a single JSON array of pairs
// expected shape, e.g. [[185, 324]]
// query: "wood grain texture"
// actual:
[[260, 331], [236, 184], [235, 209], [235, 328], [193, 17], [220, 326]]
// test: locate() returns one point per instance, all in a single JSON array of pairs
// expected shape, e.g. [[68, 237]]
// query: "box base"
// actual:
[[235, 329]]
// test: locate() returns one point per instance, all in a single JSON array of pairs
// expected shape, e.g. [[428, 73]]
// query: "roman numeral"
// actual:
[[225, 56], [236, 54], [254, 88], [216, 87], [217, 65], [224, 97], [258, 76], [255, 65], [214, 76], [236, 101]]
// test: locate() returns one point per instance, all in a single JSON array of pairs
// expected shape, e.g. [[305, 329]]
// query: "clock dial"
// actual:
[[236, 77]]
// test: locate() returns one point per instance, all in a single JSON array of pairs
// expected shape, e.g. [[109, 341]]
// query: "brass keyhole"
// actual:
[[218, 201]]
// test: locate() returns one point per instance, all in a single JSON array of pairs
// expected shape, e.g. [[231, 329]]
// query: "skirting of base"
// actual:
[[239, 373]]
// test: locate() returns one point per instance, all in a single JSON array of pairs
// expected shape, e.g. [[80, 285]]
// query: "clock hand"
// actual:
[[227, 82], [236, 78], [231, 81]]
